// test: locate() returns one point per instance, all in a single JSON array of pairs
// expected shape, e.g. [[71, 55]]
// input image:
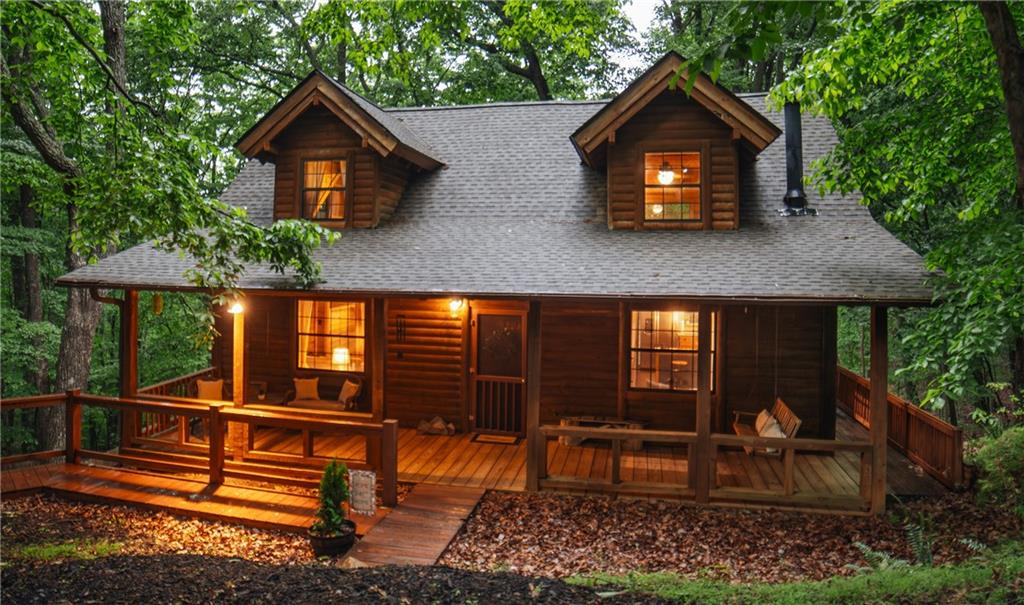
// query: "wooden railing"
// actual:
[[925, 439], [149, 424], [382, 440], [838, 493], [614, 483]]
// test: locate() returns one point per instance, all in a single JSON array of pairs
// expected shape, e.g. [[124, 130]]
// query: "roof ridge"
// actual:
[[499, 104]]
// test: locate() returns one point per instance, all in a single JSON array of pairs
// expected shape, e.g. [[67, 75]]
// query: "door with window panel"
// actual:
[[498, 369]]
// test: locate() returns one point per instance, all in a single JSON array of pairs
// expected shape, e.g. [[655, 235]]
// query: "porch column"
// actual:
[[237, 432], [535, 449], [879, 405], [699, 464], [128, 357], [379, 334]]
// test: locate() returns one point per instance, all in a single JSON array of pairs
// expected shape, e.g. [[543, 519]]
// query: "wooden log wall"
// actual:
[[579, 360], [800, 369], [374, 184], [673, 122], [426, 362]]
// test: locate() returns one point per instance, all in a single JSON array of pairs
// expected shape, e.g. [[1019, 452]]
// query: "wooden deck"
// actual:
[[460, 461], [419, 529]]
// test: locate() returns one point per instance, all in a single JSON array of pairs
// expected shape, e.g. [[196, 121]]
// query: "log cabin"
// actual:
[[587, 293]]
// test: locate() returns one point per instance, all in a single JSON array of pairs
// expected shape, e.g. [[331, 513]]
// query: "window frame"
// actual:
[[300, 184], [297, 333], [715, 352], [703, 221]]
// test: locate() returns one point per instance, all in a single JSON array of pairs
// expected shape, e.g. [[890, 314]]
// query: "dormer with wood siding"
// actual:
[[339, 159], [672, 159]]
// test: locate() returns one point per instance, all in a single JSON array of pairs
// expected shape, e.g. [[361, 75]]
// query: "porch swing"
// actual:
[[778, 422]]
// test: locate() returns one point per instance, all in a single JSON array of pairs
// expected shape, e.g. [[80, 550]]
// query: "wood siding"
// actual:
[[425, 375], [374, 185], [674, 122], [784, 351], [579, 360]]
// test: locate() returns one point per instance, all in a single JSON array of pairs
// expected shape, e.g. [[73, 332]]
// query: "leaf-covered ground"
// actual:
[[557, 536]]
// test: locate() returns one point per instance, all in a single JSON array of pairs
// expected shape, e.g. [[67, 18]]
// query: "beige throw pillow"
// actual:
[[307, 388], [762, 419], [348, 391], [772, 429], [210, 389]]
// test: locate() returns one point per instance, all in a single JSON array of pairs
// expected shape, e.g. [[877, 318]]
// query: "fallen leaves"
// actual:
[[557, 535]]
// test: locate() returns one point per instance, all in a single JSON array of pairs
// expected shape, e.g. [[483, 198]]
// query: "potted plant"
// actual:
[[332, 534]]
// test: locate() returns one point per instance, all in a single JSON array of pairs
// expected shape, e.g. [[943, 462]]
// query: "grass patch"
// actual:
[[89, 549], [996, 576]]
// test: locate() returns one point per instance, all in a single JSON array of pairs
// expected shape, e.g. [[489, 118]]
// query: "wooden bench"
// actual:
[[598, 421], [788, 422]]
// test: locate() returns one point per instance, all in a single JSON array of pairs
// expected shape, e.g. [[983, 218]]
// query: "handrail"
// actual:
[[201, 410], [177, 380], [795, 443], [584, 432], [32, 401]]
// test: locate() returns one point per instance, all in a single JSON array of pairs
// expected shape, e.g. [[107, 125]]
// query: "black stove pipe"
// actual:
[[795, 198]]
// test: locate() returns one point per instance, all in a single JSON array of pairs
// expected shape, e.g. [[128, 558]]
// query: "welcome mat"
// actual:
[[496, 439]]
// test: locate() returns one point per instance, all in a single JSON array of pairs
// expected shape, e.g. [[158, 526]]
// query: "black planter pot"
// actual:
[[333, 546]]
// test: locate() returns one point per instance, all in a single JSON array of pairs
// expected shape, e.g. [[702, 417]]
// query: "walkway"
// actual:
[[420, 528]]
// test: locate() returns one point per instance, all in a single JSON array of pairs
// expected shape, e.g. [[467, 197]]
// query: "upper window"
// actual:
[[323, 190], [663, 350], [672, 186], [331, 335]]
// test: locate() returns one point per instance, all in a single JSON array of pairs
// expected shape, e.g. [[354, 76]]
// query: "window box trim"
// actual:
[[346, 155], [699, 145]]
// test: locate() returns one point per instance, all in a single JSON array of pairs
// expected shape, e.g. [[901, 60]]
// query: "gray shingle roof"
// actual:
[[515, 213]]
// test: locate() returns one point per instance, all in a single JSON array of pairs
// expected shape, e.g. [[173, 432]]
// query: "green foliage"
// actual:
[[333, 495], [1000, 461], [987, 579], [45, 553]]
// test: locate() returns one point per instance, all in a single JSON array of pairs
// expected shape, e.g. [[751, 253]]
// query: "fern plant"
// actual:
[[878, 560], [920, 544]]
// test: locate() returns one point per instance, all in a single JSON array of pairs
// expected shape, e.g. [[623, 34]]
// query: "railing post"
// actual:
[[700, 460], [73, 426], [373, 450], [216, 441], [879, 397], [788, 457], [389, 463], [865, 477], [616, 460]]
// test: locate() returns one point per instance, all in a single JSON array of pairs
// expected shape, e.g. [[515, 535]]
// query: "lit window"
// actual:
[[672, 186], [331, 335], [663, 350], [323, 190]]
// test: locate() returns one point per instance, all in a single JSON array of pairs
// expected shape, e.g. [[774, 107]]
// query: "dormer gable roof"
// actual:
[[748, 125], [384, 133]]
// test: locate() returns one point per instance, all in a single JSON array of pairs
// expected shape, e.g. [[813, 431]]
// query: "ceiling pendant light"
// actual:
[[666, 176]]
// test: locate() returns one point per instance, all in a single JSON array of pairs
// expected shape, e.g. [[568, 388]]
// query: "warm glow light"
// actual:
[[680, 318], [666, 176], [657, 209], [455, 305], [236, 308], [341, 357]]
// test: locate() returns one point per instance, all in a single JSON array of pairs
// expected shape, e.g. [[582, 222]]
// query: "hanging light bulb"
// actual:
[[666, 175]]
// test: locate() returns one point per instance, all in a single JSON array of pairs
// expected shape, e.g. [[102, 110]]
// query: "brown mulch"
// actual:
[[197, 579], [558, 535]]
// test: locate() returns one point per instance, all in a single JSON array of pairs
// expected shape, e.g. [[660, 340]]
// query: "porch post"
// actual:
[[534, 445], [699, 465], [128, 357], [237, 432], [377, 349], [879, 405]]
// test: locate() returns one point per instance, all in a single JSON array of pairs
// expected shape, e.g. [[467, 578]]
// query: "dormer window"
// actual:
[[323, 190], [672, 186]]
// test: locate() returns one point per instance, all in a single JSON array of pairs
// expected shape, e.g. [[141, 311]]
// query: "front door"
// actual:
[[497, 371]]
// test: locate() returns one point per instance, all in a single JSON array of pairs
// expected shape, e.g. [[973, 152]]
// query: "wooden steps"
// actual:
[[420, 528]]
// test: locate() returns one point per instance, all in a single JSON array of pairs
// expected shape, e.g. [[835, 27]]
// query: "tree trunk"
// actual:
[[33, 290], [1010, 57]]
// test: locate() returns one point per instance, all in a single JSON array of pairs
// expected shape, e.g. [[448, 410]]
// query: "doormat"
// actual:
[[496, 439]]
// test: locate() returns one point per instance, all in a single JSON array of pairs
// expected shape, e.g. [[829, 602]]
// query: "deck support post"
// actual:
[[379, 327], [216, 442], [700, 466], [128, 354], [879, 405], [73, 425], [389, 463], [238, 434], [534, 451]]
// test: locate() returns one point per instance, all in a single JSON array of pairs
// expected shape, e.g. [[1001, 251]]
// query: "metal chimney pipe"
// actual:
[[795, 197]]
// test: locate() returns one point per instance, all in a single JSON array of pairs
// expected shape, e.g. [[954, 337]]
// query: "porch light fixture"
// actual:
[[340, 356], [236, 308], [455, 306], [666, 176]]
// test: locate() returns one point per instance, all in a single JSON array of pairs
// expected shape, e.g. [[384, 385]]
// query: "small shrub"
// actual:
[[1001, 465], [333, 494]]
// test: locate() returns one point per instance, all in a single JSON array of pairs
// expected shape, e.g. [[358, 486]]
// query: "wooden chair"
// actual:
[[788, 422]]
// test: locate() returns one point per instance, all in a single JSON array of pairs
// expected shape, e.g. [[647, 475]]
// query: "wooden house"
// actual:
[[597, 276]]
